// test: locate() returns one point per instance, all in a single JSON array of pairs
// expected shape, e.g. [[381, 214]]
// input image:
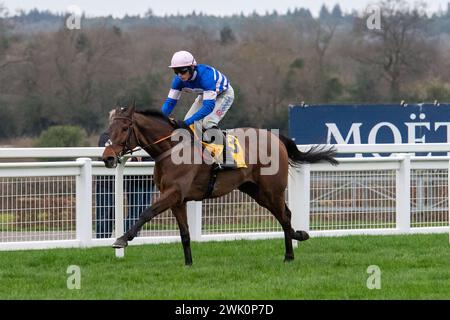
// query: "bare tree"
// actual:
[[6, 27], [59, 76], [399, 48], [324, 33]]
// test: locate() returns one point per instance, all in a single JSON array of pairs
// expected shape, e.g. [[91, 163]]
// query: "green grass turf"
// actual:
[[412, 267]]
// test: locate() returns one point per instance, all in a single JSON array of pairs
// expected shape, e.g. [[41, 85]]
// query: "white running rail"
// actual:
[[72, 203]]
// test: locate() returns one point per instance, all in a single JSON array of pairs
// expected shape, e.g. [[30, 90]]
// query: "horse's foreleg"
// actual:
[[166, 201], [181, 216]]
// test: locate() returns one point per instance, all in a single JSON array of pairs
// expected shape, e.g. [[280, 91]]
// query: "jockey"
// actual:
[[215, 94]]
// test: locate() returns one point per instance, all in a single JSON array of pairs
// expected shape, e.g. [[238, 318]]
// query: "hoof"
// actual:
[[301, 235], [288, 258], [120, 243]]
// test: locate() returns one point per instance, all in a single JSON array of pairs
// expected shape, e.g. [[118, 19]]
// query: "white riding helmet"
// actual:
[[182, 59]]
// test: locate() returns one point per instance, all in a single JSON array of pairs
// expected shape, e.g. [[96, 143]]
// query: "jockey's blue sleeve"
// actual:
[[173, 96], [208, 84], [207, 108], [168, 106]]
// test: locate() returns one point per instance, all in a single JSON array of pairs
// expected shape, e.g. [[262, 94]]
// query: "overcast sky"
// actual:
[[118, 8]]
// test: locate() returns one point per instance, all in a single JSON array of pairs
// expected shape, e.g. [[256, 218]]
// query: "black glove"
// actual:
[[181, 124]]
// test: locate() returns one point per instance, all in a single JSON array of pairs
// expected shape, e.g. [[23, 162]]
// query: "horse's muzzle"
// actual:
[[110, 162]]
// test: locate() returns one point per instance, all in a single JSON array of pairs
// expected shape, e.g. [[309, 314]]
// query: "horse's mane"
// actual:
[[156, 114]]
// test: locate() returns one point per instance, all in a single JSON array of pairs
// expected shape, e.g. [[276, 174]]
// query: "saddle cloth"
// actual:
[[234, 147]]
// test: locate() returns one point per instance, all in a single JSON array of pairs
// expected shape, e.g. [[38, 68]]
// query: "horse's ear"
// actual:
[[130, 110]]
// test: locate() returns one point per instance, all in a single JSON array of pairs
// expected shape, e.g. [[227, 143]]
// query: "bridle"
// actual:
[[126, 149]]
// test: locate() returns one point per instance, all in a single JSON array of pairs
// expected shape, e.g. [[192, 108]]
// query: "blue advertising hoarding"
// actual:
[[362, 124]]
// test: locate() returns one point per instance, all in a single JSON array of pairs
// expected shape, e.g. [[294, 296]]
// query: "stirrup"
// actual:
[[228, 166], [223, 166]]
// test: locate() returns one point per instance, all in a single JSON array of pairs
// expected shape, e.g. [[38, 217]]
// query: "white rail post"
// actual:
[[299, 197], [118, 205], [403, 195], [194, 216], [84, 202]]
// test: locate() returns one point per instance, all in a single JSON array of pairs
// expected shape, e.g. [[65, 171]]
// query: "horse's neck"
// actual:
[[151, 131]]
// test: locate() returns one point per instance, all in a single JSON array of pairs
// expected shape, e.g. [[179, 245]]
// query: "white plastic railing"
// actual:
[[299, 195], [91, 152]]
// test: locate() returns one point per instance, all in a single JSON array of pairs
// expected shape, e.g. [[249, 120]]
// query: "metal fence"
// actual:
[[73, 203], [37, 208], [352, 200], [236, 212], [429, 198]]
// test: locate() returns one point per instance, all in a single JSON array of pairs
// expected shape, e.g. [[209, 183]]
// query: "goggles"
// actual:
[[181, 70]]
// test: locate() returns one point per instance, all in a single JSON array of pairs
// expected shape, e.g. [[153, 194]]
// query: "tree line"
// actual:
[[50, 75]]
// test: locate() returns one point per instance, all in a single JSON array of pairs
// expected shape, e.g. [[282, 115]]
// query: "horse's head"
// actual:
[[122, 138]]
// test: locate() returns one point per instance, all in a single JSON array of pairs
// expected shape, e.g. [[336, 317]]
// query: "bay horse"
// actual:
[[179, 183]]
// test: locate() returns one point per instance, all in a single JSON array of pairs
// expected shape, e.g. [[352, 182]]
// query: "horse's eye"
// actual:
[[124, 129]]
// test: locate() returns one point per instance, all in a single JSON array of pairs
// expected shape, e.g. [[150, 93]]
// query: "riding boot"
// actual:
[[210, 136], [228, 161]]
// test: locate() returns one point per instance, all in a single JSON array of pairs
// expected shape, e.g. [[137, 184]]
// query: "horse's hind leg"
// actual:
[[299, 235], [276, 205], [278, 209]]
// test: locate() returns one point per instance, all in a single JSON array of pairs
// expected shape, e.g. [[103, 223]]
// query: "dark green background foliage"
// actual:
[[63, 136], [50, 75]]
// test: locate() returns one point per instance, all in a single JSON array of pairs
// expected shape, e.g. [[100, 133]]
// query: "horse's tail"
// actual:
[[315, 154]]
